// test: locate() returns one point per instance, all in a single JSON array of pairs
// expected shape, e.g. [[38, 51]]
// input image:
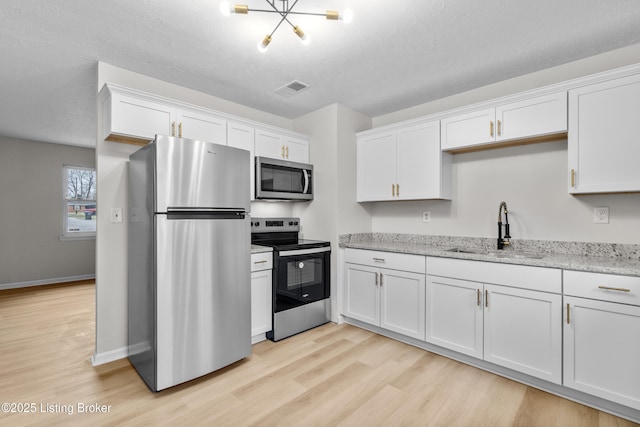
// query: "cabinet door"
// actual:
[[403, 302], [362, 297], [454, 315], [202, 127], [134, 119], [522, 331], [376, 167], [542, 115], [269, 144], [602, 349], [418, 162], [468, 130], [261, 302], [603, 137], [296, 150], [242, 136]]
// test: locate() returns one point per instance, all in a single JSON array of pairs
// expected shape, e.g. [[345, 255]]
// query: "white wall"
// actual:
[[111, 242], [333, 154], [531, 179]]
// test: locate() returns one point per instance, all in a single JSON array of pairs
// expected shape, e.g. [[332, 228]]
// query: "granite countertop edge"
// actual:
[[576, 262]]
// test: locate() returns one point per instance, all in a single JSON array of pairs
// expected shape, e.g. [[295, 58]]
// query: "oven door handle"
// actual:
[[304, 251]]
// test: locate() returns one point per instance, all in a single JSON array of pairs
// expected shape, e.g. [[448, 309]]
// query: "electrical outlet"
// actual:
[[601, 215], [426, 216], [116, 215]]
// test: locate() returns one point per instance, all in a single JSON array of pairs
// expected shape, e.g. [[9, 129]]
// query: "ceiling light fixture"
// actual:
[[284, 10]]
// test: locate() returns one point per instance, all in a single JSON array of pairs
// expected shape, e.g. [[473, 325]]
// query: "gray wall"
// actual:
[[31, 215]]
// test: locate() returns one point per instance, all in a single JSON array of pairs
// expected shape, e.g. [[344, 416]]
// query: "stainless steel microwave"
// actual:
[[283, 180]]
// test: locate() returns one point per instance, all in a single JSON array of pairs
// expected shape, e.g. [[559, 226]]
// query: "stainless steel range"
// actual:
[[301, 276]]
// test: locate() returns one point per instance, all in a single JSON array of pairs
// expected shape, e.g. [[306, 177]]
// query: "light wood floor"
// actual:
[[333, 375]]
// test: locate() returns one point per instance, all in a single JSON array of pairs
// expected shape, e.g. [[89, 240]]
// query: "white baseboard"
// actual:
[[109, 356], [17, 285]]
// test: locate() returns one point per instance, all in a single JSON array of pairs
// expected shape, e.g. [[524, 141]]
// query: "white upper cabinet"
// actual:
[[376, 167], [134, 117], [604, 146], [535, 117], [404, 163], [201, 126], [131, 119], [281, 146]]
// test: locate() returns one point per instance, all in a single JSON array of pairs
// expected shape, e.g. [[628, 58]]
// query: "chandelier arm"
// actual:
[[277, 26]]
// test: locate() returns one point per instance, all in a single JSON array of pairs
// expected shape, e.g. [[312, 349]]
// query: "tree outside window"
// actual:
[[80, 201]]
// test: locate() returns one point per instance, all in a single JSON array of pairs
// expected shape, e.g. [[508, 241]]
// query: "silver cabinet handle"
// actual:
[[478, 296], [377, 280], [260, 262], [486, 298], [379, 260], [380, 279], [607, 288], [568, 315]]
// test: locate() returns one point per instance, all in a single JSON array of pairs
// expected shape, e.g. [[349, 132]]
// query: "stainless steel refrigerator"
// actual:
[[189, 259]]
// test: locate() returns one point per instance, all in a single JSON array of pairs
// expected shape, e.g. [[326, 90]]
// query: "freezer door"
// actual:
[[197, 174], [203, 314]]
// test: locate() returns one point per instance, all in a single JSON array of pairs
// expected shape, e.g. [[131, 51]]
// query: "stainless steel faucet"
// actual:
[[503, 241]]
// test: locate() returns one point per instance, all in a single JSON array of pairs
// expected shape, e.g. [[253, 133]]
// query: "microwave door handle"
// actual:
[[306, 181]]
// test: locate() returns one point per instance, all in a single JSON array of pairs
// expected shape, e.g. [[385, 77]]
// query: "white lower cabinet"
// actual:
[[522, 331], [506, 324], [379, 294], [602, 336], [261, 295]]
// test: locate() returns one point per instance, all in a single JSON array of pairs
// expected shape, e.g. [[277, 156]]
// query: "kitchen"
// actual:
[[482, 180]]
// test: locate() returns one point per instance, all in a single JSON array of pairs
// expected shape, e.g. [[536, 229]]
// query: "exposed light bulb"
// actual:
[[304, 38], [225, 8], [347, 16], [262, 46]]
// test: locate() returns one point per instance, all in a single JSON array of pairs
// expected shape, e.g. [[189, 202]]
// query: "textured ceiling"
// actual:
[[394, 55]]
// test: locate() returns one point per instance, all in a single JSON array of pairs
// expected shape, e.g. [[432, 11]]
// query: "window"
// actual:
[[80, 208]]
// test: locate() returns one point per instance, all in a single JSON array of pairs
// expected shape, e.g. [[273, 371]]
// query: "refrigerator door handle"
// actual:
[[204, 214]]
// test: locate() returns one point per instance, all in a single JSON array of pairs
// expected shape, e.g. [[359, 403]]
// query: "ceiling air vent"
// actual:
[[291, 89]]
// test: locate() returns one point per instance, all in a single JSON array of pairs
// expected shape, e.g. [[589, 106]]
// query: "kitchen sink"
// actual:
[[498, 254], [463, 251]]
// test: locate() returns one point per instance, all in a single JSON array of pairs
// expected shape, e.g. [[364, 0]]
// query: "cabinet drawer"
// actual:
[[604, 287], [517, 276], [390, 260], [261, 261]]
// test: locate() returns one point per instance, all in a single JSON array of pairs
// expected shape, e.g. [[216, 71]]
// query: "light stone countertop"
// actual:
[[591, 257], [256, 249]]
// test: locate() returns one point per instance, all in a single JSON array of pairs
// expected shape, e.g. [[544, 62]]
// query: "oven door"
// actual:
[[300, 277]]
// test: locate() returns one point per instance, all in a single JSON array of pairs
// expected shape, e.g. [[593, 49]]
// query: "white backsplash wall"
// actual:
[[532, 179], [271, 209]]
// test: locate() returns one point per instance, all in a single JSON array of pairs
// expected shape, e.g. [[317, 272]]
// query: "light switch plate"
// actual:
[[116, 215], [601, 215]]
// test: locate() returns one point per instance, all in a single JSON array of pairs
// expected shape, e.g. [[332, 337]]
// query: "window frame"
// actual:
[[75, 235]]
